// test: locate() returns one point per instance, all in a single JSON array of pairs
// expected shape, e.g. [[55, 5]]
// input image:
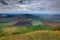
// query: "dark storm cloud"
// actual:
[[3, 2]]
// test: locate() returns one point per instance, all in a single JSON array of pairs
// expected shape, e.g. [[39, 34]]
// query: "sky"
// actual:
[[29, 6]]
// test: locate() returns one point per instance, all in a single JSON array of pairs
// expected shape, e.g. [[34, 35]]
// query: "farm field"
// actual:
[[49, 23]]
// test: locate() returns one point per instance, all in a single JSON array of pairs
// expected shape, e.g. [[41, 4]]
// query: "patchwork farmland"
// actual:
[[29, 27]]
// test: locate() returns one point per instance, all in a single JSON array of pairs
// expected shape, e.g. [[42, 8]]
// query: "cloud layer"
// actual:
[[29, 5]]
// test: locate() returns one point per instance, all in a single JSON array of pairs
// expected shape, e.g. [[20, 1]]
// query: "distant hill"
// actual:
[[6, 15], [33, 16], [28, 16], [53, 18]]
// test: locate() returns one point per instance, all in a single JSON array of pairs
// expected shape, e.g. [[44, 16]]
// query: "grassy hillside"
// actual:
[[32, 32], [14, 30], [37, 35]]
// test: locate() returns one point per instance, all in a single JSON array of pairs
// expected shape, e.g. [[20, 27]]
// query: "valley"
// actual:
[[29, 27]]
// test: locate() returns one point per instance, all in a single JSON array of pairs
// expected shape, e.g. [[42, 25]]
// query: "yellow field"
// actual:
[[36, 35]]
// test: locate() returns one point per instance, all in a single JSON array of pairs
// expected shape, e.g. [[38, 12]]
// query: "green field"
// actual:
[[5, 21], [37, 22]]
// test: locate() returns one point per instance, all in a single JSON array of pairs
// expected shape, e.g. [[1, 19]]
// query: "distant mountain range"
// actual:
[[39, 16]]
